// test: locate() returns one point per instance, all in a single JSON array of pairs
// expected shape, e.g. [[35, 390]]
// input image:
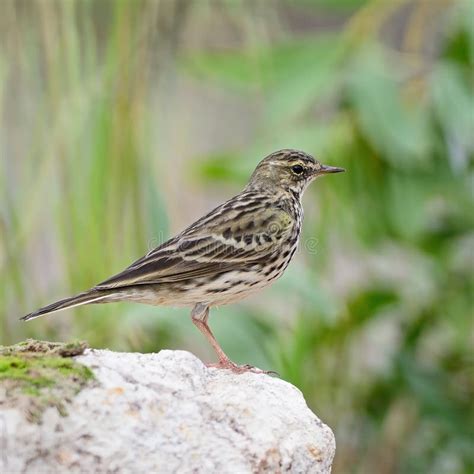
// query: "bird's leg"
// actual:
[[199, 315]]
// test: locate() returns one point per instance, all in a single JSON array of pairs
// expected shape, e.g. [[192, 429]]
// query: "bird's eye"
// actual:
[[297, 169]]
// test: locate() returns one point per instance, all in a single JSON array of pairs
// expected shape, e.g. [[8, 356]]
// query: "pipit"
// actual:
[[238, 248]]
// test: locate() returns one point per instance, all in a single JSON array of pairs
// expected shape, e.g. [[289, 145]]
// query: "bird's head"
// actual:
[[290, 170]]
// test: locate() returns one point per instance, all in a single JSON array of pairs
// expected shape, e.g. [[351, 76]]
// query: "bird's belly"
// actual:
[[234, 286]]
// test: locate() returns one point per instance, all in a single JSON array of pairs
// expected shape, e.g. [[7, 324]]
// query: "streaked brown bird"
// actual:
[[238, 248]]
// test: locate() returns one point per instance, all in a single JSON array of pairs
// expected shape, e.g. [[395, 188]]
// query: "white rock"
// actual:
[[168, 413]]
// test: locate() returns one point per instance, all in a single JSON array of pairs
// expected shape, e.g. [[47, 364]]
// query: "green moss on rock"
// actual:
[[39, 374]]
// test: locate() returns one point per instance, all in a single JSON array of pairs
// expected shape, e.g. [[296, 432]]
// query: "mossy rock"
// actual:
[[35, 375]]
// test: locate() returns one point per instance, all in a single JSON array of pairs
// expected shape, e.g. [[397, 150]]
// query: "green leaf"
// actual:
[[453, 102], [399, 133], [261, 66], [307, 75], [329, 4]]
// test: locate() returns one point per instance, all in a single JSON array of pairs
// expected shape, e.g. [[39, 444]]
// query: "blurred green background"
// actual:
[[123, 121]]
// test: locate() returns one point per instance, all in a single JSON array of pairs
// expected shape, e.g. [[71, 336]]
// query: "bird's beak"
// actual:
[[325, 169]]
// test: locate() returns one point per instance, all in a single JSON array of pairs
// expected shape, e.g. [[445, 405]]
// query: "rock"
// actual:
[[168, 413], [35, 375]]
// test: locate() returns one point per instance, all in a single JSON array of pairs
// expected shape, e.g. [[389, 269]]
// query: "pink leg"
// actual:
[[199, 315]]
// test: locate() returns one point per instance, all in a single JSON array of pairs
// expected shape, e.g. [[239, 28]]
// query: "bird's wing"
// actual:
[[228, 238]]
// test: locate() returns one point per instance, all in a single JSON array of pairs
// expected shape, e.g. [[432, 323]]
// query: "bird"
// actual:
[[238, 248]]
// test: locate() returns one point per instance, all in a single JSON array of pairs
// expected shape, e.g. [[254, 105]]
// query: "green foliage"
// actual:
[[28, 371], [40, 374], [373, 321]]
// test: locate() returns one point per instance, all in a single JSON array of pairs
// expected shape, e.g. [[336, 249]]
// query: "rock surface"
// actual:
[[168, 413]]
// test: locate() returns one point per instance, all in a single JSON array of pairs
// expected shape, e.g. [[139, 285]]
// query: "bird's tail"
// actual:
[[91, 296]]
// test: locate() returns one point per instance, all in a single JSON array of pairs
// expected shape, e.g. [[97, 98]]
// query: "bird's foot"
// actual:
[[239, 369]]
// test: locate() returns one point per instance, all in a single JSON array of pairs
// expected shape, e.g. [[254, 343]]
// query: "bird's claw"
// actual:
[[240, 369]]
